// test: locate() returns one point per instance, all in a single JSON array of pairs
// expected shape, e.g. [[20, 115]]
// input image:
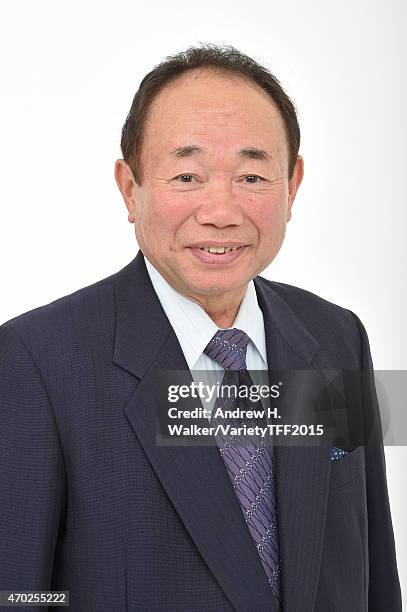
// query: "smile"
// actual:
[[220, 250], [219, 254]]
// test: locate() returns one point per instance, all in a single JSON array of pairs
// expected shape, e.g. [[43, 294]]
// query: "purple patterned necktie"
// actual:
[[249, 462]]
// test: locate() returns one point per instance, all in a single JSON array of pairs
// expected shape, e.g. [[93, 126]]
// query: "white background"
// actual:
[[69, 73]]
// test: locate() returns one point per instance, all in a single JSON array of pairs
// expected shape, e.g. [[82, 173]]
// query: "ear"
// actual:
[[294, 183], [127, 186]]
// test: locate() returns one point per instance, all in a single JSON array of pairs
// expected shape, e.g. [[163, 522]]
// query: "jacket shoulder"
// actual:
[[336, 328], [304, 300], [70, 312]]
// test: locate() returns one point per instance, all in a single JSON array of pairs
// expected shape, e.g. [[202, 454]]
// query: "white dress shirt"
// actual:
[[194, 328]]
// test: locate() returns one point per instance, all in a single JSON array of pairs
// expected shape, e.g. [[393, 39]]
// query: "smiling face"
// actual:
[[214, 170]]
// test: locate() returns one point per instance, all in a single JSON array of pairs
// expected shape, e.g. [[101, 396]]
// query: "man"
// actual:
[[90, 503]]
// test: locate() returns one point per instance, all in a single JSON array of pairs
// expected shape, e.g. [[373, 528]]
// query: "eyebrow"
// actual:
[[248, 152]]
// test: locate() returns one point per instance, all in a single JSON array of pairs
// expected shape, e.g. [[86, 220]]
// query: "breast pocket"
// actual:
[[344, 471]]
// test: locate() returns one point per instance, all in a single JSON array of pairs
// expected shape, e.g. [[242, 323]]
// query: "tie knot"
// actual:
[[228, 347]]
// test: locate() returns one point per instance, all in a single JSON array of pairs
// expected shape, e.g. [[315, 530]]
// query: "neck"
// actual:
[[221, 309]]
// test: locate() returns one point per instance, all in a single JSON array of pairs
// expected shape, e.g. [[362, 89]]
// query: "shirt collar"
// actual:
[[194, 328]]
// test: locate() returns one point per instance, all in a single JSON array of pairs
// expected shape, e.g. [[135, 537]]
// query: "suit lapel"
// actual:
[[194, 477], [302, 473]]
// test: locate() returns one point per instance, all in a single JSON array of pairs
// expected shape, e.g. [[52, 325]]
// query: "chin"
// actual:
[[211, 288]]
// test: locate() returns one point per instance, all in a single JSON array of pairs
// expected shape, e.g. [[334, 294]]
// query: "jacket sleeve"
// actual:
[[384, 587], [32, 477]]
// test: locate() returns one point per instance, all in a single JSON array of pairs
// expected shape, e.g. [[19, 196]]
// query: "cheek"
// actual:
[[162, 213], [268, 214]]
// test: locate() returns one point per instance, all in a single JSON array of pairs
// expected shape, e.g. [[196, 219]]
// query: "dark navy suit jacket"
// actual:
[[90, 504]]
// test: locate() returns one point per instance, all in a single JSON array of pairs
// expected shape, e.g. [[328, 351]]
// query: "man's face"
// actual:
[[214, 174]]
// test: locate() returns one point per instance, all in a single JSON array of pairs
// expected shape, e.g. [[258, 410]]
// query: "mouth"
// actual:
[[221, 249], [215, 254]]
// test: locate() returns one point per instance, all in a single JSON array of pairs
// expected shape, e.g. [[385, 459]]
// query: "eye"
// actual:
[[184, 178], [253, 178]]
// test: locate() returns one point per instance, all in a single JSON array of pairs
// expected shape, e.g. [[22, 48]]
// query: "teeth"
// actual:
[[219, 250]]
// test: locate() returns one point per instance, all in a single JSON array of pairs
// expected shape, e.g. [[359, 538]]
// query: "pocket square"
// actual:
[[337, 453]]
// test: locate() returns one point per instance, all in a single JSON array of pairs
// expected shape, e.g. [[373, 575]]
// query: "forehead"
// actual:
[[210, 106]]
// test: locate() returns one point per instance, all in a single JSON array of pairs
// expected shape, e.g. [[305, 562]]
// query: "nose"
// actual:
[[220, 207]]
